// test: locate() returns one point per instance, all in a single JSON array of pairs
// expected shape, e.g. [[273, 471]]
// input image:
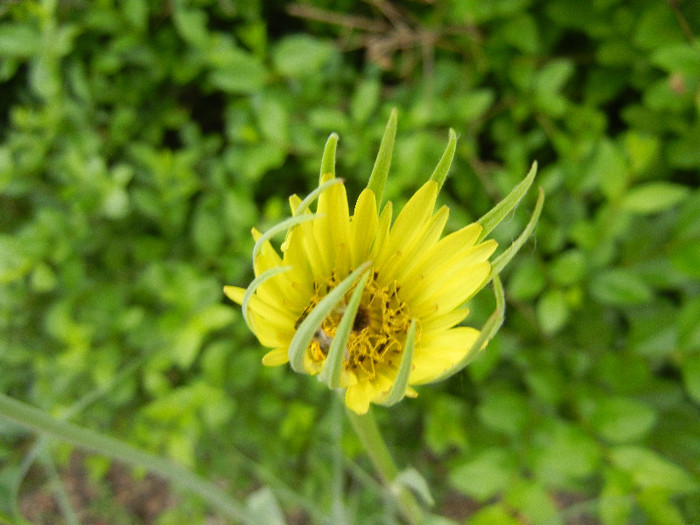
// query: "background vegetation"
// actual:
[[141, 140]]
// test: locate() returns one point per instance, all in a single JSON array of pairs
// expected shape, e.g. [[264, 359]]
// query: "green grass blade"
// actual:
[[38, 420]]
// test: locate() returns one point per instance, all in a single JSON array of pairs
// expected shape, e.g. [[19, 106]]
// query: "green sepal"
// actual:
[[328, 159], [502, 260], [269, 274], [380, 171], [494, 217], [398, 389], [488, 331], [307, 329], [333, 365], [443, 167]]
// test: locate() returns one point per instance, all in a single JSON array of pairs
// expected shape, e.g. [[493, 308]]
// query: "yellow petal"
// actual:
[[452, 291], [235, 293], [275, 357], [441, 268], [406, 255], [440, 352], [417, 210], [363, 227], [332, 229], [437, 323], [294, 202], [381, 238], [358, 397]]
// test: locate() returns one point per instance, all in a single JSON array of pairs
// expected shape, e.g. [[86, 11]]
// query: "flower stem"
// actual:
[[366, 428]]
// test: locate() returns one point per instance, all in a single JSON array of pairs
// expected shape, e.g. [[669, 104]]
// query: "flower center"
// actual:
[[378, 332]]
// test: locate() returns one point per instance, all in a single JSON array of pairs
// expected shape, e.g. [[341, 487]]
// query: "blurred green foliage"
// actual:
[[141, 140]]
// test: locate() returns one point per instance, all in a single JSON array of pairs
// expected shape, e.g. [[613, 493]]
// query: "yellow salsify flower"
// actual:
[[369, 305]]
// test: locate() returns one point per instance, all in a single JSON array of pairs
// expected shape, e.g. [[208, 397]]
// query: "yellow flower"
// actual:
[[399, 286]]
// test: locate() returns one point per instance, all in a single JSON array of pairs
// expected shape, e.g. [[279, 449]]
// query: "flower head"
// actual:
[[368, 303]]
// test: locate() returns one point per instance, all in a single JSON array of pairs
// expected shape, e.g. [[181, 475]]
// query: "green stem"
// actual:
[[367, 430], [35, 419]]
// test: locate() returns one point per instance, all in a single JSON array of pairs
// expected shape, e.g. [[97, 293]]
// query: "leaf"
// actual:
[[413, 480], [681, 58], [241, 73], [484, 476], [690, 368], [653, 197], [301, 55], [648, 469], [621, 420], [263, 508], [19, 41], [527, 281], [552, 311], [620, 287]]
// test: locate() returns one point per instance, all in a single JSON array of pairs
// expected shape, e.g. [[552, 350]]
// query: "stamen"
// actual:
[[378, 333]]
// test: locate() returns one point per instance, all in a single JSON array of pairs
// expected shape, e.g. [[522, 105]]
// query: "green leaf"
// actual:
[[563, 454], [621, 420], [552, 311], [569, 268], [300, 55], [653, 197], [685, 257], [240, 73], [364, 100], [262, 508], [683, 58], [534, 502], [507, 412], [495, 514], [484, 476], [527, 280], [19, 41], [412, 479], [620, 287], [648, 469], [690, 367]]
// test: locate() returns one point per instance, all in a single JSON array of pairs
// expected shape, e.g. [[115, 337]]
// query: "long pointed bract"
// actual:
[[443, 167], [377, 180], [508, 204], [398, 389]]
